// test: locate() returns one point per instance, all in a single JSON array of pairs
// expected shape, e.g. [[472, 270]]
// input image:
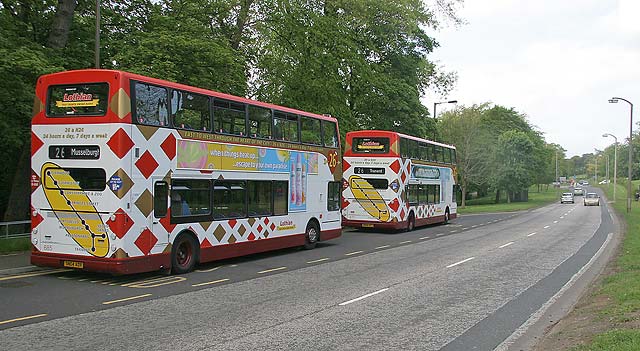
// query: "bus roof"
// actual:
[[196, 90], [375, 132]]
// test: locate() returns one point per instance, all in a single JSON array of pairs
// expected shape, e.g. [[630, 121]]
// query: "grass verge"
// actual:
[[536, 199], [622, 287], [14, 245]]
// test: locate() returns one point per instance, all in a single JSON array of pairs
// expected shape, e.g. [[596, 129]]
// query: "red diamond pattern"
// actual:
[[345, 165], [251, 237], [166, 222], [403, 176], [395, 166], [232, 223], [120, 143], [36, 144], [402, 214], [147, 164], [205, 243], [146, 241], [260, 228], [345, 203], [169, 146], [394, 205], [121, 225], [35, 220], [272, 226], [266, 221]]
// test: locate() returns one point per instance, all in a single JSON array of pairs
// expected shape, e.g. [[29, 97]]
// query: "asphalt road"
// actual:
[[464, 286]]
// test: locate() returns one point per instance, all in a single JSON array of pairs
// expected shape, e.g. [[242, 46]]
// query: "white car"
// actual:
[[578, 191], [606, 181], [591, 199], [566, 198]]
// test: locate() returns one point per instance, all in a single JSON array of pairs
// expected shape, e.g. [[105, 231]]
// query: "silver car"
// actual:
[[578, 191], [566, 198], [591, 199]]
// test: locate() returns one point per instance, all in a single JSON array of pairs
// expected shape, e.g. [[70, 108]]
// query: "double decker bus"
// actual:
[[134, 174], [396, 181]]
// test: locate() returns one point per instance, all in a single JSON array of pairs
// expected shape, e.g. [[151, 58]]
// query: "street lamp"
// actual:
[[614, 100], [434, 111], [615, 163]]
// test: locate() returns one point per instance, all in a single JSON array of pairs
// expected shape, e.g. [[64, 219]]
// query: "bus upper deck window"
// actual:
[[151, 107]]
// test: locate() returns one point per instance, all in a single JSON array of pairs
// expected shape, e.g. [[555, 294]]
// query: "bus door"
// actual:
[[160, 209]]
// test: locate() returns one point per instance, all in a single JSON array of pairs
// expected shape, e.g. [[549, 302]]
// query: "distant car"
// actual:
[[591, 199], [578, 191], [606, 181], [566, 198], [585, 183]]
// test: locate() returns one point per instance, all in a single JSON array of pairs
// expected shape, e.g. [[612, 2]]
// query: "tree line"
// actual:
[[365, 62]]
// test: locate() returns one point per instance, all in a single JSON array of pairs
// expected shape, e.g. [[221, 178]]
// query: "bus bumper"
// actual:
[[374, 225], [117, 266]]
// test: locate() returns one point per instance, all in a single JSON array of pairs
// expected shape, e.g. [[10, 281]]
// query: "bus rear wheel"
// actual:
[[411, 222], [183, 254], [311, 236]]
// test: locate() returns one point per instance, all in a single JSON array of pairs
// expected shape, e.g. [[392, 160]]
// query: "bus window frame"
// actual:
[[134, 107]]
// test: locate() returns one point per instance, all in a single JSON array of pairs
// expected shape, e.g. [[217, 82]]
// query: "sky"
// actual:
[[557, 61]]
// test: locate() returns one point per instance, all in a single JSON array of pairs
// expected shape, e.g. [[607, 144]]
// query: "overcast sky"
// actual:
[[557, 61]]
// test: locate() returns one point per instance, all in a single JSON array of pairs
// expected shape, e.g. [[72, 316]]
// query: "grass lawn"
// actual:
[[536, 199], [15, 244], [623, 286]]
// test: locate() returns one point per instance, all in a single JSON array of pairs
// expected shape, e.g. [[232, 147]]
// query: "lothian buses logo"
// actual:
[[77, 97], [77, 100]]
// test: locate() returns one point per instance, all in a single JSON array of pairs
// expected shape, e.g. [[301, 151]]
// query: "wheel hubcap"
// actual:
[[184, 254], [312, 235]]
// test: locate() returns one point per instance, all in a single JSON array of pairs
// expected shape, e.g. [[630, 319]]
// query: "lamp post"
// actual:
[[434, 112], [615, 163], [97, 48], [614, 100]]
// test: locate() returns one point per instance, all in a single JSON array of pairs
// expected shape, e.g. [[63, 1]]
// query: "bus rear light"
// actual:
[[34, 232], [345, 184], [113, 237], [34, 213], [34, 241]]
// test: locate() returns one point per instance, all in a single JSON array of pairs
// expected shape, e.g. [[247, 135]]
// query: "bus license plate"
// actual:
[[73, 264], [367, 226]]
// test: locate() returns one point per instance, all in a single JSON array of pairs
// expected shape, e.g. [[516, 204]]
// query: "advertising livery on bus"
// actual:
[[396, 181], [133, 174]]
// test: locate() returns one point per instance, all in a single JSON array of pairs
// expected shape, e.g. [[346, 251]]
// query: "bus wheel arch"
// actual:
[[185, 252], [311, 234]]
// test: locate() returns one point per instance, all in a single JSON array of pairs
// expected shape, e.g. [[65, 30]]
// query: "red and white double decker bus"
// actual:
[[397, 181], [133, 174]]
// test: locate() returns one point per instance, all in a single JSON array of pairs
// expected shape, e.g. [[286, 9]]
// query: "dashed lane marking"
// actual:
[[353, 253], [404, 242], [23, 318], [319, 260], [209, 283], [461, 262], [424, 238], [532, 234], [382, 247], [126, 299], [363, 297], [545, 227], [505, 245], [208, 270], [272, 270]]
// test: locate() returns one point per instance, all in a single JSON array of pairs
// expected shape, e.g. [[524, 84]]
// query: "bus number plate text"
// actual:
[[73, 264], [368, 170]]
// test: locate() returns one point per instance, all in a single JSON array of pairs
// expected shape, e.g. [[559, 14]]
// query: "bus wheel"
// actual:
[[183, 254], [447, 217], [411, 222], [311, 235]]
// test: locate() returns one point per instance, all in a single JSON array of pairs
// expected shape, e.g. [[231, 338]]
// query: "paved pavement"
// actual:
[[15, 263]]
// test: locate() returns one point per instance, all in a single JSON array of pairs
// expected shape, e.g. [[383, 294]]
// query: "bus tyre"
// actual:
[[447, 217], [411, 222], [311, 236], [183, 254]]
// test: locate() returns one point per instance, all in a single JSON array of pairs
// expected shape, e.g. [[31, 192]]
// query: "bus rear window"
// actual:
[[86, 179], [370, 145], [78, 100]]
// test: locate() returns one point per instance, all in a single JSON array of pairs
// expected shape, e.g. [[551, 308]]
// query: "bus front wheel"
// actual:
[[311, 235], [183, 254]]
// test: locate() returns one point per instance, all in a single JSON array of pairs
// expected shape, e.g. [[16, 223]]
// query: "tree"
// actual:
[[462, 127], [514, 162]]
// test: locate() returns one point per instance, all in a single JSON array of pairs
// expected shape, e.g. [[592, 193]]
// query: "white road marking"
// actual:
[[555, 222], [23, 318], [505, 245], [208, 270], [125, 299], [404, 242], [363, 297], [453, 231], [465, 228], [439, 234], [561, 217], [353, 253], [209, 283], [461, 262], [382, 247], [545, 227], [473, 226], [319, 260], [532, 234], [272, 270], [424, 237]]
